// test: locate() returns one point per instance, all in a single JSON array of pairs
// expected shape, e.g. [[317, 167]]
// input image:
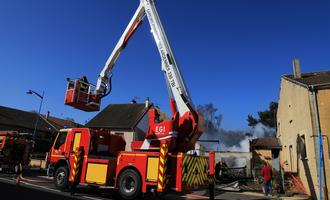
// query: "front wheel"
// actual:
[[61, 178], [129, 184]]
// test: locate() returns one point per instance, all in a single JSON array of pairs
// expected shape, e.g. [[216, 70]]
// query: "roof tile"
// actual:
[[312, 78], [118, 116]]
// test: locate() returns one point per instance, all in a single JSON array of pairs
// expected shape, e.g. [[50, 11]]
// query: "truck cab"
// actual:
[[100, 154]]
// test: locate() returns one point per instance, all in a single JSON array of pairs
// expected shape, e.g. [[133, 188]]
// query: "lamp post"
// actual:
[[42, 98]]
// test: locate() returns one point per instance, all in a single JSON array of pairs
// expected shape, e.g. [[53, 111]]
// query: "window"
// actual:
[[100, 145], [301, 147], [141, 129], [60, 140]]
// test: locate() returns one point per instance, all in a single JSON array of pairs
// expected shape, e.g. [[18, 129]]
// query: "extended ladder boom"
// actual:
[[184, 128], [175, 82]]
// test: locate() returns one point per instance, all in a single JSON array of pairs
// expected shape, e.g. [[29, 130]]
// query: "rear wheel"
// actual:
[[61, 178], [129, 184]]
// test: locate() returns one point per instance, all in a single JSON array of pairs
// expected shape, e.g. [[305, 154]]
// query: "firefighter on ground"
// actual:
[[266, 172], [217, 170]]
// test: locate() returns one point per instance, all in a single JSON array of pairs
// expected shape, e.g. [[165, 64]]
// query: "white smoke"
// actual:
[[243, 146], [235, 162], [258, 131], [262, 131], [226, 138]]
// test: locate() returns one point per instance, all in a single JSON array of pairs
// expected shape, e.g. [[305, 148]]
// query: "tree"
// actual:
[[212, 119], [213, 131], [267, 117]]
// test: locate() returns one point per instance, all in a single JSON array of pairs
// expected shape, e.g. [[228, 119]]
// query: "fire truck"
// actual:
[[15, 149], [163, 161]]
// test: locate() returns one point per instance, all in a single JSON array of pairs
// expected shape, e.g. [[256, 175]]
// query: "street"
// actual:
[[10, 191], [36, 185]]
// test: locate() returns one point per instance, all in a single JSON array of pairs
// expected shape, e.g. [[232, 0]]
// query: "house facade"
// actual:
[[303, 112], [128, 120]]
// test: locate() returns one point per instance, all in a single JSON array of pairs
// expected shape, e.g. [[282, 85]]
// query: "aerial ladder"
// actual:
[[84, 96]]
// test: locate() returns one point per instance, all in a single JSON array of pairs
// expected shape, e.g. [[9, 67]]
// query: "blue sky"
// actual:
[[232, 53]]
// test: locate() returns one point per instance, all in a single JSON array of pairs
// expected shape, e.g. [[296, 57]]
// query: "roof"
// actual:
[[19, 118], [310, 78], [265, 143], [118, 116], [62, 123]]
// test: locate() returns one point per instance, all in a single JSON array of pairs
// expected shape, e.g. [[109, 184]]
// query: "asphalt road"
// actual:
[[38, 186], [10, 191]]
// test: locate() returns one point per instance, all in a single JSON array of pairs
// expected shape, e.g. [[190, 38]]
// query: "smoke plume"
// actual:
[[237, 141]]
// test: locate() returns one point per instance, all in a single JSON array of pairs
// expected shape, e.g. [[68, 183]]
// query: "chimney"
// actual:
[[147, 103], [47, 116], [296, 68]]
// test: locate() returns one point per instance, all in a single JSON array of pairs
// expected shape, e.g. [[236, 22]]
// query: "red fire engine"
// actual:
[[158, 163], [97, 158], [15, 149]]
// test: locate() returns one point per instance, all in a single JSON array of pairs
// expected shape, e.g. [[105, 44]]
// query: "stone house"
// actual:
[[303, 112]]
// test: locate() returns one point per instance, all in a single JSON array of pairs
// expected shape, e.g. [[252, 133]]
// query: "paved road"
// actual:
[[38, 183], [39, 186], [10, 191]]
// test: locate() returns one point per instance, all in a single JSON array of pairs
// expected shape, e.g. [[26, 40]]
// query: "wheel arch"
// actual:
[[60, 163], [126, 168]]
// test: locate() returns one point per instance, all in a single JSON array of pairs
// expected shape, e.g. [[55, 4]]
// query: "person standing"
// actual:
[[217, 170], [224, 169], [266, 173]]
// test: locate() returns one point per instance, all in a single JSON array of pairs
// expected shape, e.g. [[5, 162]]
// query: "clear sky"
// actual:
[[232, 53]]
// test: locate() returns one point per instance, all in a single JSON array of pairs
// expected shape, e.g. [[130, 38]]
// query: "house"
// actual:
[[264, 150], [303, 112], [129, 120], [61, 123], [24, 122]]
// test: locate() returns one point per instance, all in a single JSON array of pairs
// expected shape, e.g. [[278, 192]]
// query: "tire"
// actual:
[[129, 184], [61, 178]]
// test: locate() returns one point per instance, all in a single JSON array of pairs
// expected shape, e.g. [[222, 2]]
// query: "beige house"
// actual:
[[303, 111], [129, 120]]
